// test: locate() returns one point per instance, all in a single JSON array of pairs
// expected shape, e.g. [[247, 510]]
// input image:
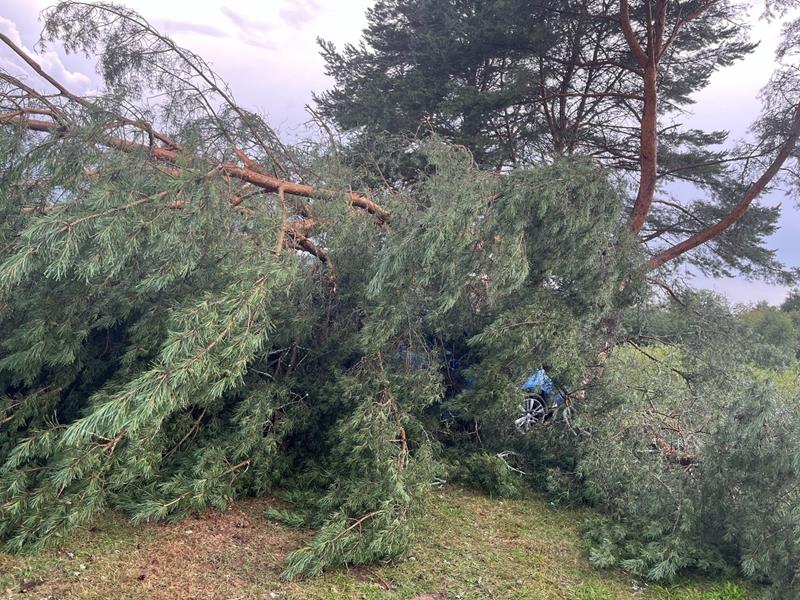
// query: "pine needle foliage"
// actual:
[[160, 361], [184, 322]]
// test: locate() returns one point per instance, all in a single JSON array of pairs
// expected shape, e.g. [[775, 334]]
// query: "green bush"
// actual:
[[693, 461]]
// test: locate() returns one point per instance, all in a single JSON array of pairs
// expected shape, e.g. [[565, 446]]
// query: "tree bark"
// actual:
[[648, 151]]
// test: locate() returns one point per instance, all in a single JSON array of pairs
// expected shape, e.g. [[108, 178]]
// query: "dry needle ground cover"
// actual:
[[468, 546]]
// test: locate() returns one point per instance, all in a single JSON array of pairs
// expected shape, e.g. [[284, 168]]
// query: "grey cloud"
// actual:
[[300, 13], [171, 26], [252, 32]]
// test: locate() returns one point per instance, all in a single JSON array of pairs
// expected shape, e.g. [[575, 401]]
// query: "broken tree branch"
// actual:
[[259, 179]]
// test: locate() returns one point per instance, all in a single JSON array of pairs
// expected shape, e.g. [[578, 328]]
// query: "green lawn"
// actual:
[[467, 547]]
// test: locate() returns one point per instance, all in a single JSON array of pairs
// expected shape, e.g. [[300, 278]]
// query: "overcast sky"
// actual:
[[266, 50]]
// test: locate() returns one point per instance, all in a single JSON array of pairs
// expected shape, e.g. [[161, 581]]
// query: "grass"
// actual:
[[467, 547]]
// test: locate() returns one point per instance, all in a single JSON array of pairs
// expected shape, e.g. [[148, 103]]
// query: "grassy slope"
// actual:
[[468, 547]]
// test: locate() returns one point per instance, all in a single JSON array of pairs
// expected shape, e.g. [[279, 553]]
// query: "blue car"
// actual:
[[541, 401]]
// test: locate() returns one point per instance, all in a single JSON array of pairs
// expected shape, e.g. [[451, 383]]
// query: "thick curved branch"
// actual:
[[630, 36], [648, 150], [299, 189], [740, 209], [256, 178], [648, 60]]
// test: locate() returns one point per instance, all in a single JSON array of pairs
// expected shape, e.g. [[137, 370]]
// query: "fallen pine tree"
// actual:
[[185, 322]]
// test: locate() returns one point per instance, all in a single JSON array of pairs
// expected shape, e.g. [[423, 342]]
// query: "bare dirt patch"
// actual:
[[216, 551], [226, 554]]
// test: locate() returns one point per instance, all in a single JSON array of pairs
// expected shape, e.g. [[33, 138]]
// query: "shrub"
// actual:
[[692, 457]]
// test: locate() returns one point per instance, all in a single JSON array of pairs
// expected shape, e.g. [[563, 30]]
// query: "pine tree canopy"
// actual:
[[523, 83]]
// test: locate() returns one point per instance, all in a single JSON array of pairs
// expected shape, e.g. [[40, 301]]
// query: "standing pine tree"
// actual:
[[610, 80]]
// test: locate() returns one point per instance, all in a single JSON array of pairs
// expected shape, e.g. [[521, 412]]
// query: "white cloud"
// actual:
[[49, 60]]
